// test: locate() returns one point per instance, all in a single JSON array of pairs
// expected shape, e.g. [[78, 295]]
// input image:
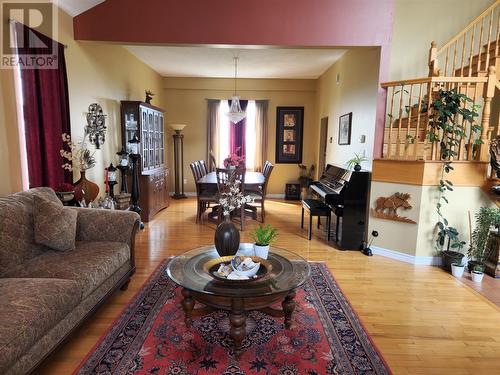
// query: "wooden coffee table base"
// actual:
[[238, 307]]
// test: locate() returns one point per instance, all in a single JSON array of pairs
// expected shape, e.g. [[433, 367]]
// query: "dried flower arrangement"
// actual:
[[79, 155], [231, 198]]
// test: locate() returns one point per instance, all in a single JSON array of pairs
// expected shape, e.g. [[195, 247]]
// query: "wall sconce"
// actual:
[[96, 125]]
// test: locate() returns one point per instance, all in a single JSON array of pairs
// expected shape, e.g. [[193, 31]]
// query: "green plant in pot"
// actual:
[[263, 236], [355, 162], [486, 219], [448, 116]]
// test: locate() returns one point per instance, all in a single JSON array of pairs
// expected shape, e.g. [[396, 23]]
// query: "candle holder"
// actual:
[[112, 180], [123, 166], [135, 157]]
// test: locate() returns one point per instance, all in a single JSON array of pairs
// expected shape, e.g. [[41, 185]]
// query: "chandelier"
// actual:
[[235, 114]]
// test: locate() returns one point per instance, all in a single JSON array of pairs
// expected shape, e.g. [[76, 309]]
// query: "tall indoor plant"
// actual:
[[448, 116], [478, 252]]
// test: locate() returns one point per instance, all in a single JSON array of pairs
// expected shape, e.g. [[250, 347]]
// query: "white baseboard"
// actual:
[[402, 257]]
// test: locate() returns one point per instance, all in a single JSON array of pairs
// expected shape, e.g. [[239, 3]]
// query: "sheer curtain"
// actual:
[[213, 130], [260, 133]]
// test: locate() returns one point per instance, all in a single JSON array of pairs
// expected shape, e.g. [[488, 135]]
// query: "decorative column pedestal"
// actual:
[[178, 161]]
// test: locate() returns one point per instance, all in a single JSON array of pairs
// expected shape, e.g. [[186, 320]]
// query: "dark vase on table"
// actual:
[[85, 189], [357, 167], [227, 238]]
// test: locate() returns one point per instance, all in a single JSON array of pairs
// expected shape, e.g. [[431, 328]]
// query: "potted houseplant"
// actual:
[[478, 251], [457, 269], [355, 162], [263, 236], [477, 273]]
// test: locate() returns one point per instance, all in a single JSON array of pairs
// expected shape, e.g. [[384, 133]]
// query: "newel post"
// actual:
[[433, 60], [489, 92]]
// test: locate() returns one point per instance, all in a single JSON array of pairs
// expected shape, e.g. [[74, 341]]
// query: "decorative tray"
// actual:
[[214, 266]]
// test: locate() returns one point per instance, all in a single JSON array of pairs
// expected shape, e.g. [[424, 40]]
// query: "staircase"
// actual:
[[469, 63]]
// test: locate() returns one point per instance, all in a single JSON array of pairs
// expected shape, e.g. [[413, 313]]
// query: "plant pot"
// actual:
[[477, 276], [227, 238], [449, 257], [471, 265], [357, 167], [261, 251], [457, 270]]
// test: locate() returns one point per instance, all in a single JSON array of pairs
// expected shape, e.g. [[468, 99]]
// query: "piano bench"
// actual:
[[316, 208]]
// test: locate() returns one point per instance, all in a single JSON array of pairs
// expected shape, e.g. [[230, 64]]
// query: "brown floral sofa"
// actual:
[[45, 294]]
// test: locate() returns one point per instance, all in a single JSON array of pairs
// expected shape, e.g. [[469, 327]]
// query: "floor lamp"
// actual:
[[178, 160]]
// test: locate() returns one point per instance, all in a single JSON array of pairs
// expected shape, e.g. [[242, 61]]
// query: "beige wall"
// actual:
[[97, 73], [185, 102], [356, 92], [418, 22], [420, 239]]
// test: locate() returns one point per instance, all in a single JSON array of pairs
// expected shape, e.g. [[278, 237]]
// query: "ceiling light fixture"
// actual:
[[235, 114]]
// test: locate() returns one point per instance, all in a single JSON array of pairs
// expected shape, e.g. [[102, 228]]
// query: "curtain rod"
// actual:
[[13, 20]]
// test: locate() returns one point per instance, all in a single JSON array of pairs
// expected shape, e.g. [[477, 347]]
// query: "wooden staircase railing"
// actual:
[[409, 110], [472, 51]]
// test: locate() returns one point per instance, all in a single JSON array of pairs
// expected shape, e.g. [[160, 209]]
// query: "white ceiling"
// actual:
[[254, 62], [75, 7]]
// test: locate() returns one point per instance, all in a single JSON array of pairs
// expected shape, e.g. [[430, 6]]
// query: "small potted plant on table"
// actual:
[[263, 236], [355, 162]]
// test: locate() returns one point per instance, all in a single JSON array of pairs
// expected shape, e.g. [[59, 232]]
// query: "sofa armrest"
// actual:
[[106, 225]]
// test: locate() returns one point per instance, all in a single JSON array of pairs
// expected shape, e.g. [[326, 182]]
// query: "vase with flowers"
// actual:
[[234, 161], [227, 236], [77, 155]]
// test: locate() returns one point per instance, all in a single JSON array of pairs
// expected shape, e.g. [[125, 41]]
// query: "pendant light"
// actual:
[[235, 114]]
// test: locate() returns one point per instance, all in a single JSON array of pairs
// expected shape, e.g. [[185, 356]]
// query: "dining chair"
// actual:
[[259, 195], [203, 197], [203, 166], [223, 178]]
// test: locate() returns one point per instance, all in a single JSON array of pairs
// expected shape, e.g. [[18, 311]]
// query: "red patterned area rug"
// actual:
[[150, 337]]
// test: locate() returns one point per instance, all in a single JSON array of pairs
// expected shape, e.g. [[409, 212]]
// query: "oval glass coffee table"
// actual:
[[289, 271]]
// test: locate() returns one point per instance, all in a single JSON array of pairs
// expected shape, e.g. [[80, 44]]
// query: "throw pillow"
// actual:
[[54, 224]]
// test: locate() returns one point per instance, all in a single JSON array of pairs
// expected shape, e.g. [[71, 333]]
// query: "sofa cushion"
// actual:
[[90, 264], [17, 242], [28, 309], [55, 225]]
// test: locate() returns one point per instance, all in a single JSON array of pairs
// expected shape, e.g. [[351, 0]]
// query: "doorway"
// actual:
[[322, 145]]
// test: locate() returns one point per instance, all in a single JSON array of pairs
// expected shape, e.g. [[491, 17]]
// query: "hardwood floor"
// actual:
[[421, 318]]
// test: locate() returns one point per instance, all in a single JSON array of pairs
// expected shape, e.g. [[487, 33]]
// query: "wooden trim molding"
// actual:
[[427, 173]]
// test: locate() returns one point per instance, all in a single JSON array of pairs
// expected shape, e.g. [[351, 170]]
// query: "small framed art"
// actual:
[[345, 124], [289, 131]]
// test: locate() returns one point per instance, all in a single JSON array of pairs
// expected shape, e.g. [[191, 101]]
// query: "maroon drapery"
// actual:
[[46, 112], [237, 133]]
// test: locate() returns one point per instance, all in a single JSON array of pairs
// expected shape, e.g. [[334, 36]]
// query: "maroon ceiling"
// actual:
[[329, 23]]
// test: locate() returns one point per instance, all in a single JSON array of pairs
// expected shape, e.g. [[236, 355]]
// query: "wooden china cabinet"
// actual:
[[146, 121]]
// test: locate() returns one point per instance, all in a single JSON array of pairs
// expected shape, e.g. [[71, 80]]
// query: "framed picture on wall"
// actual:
[[345, 124], [289, 131]]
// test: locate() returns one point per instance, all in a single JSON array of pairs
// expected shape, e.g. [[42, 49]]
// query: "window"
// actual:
[[225, 135]]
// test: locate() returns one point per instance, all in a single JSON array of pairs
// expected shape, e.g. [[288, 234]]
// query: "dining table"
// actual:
[[252, 179]]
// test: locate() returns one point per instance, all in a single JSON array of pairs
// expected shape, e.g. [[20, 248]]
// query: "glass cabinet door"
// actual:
[[131, 118]]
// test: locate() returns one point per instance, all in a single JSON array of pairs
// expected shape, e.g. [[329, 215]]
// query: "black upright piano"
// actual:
[[347, 193]]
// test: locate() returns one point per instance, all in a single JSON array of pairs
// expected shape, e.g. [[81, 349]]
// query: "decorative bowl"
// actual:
[[263, 270], [248, 273]]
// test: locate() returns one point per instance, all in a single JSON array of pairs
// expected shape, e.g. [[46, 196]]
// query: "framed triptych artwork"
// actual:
[[289, 133]]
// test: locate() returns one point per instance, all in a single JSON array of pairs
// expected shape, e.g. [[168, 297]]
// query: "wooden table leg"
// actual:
[[187, 306], [238, 325], [288, 305]]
